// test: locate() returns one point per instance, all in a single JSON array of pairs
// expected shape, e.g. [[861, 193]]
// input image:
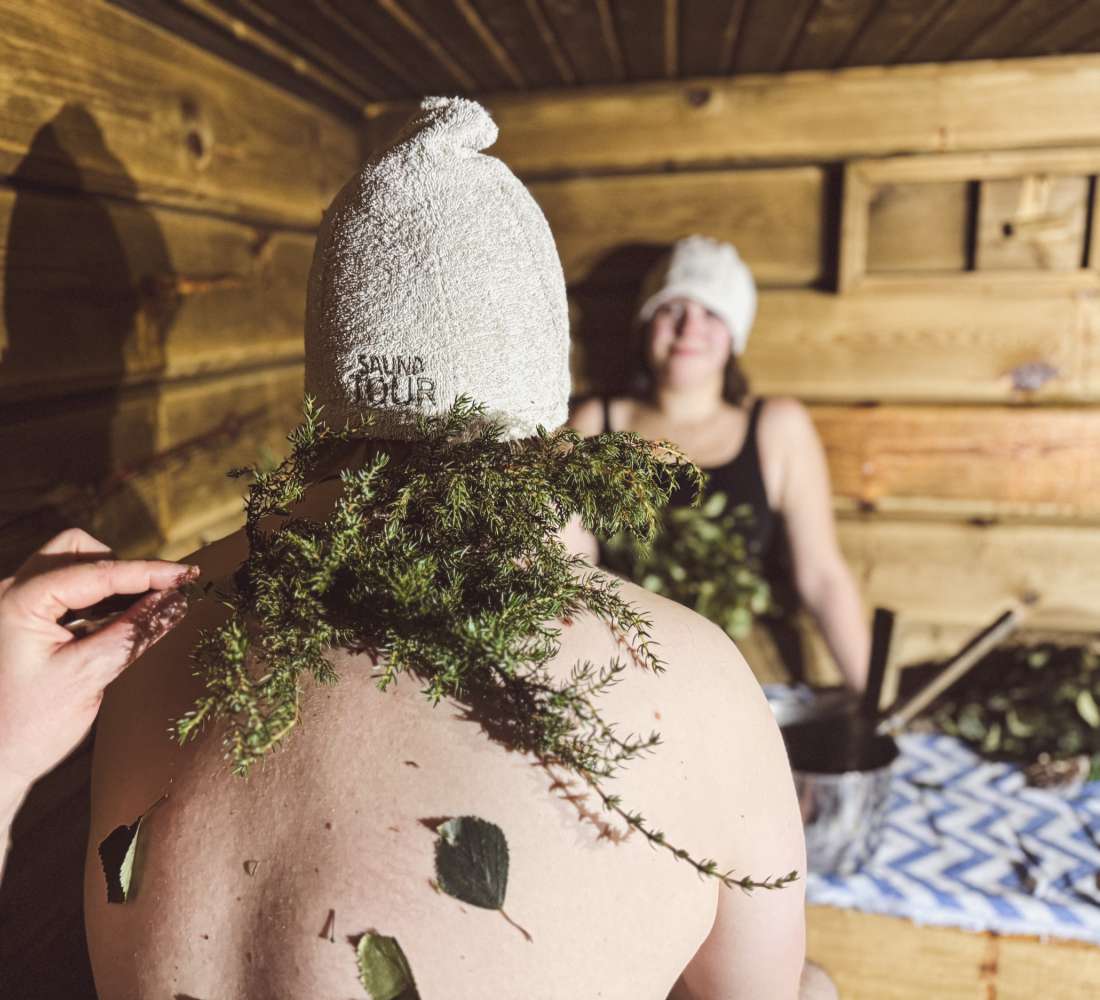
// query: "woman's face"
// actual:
[[687, 343]]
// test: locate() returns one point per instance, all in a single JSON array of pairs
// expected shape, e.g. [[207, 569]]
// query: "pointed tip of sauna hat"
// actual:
[[451, 124], [435, 276]]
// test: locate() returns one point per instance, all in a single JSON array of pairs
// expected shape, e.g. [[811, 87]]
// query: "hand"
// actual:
[[51, 683]]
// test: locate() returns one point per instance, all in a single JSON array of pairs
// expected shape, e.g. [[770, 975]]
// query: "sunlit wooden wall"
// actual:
[[923, 239], [157, 216]]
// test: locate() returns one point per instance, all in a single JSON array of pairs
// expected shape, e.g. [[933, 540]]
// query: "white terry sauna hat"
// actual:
[[708, 272], [435, 276]]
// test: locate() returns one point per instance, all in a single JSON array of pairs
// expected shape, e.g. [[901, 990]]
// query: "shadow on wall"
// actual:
[[83, 303], [605, 343], [84, 298]]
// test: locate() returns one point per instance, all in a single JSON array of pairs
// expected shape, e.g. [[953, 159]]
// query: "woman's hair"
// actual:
[[735, 383]]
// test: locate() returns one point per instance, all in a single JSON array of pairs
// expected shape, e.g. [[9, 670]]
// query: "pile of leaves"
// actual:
[[699, 558], [440, 558], [1026, 702]]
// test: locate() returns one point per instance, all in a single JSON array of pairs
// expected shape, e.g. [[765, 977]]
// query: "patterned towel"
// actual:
[[968, 844]]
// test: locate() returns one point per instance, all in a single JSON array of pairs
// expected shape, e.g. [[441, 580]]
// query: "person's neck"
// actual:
[[685, 406]]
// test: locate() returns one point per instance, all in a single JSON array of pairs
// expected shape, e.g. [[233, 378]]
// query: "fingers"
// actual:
[[105, 654], [49, 595]]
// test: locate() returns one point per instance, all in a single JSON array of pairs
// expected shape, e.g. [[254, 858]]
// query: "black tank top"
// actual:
[[741, 479]]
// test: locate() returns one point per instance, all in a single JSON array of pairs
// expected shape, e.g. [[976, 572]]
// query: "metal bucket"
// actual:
[[842, 778]]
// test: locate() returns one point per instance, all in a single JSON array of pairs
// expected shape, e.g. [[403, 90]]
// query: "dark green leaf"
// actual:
[[383, 969], [471, 861]]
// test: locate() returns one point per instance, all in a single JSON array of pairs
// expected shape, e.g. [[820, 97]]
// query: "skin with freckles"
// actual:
[[236, 878]]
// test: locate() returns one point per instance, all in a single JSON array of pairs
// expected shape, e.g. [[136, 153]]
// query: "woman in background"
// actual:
[[695, 312]]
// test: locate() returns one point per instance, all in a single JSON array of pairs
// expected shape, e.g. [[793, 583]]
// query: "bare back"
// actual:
[[337, 831]]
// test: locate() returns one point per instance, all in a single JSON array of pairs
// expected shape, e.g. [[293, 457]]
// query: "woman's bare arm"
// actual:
[[824, 582]]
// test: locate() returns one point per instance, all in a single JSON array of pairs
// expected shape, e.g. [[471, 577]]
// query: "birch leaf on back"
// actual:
[[471, 861]]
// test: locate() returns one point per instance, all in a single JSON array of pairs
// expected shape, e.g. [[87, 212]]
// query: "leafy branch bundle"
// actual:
[[440, 558], [1025, 701], [698, 557]]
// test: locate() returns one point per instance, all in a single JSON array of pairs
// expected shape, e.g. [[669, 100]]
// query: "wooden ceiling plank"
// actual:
[[550, 40], [954, 25], [577, 24], [429, 42], [1067, 33], [367, 43], [274, 49], [671, 35], [769, 34], [515, 30], [498, 51], [419, 65], [885, 35], [708, 33], [295, 26], [641, 30], [445, 22], [1016, 28], [610, 38], [827, 33]]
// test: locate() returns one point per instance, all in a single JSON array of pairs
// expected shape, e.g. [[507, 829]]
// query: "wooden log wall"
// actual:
[[922, 239], [157, 215]]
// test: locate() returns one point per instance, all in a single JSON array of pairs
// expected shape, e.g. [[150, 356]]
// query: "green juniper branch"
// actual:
[[440, 558]]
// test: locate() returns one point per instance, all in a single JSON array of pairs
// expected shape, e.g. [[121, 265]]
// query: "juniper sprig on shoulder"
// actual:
[[440, 557]]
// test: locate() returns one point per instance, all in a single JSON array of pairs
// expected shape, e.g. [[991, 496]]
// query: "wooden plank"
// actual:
[[309, 40], [964, 574], [1016, 27], [128, 466], [1064, 34], [457, 34], [955, 24], [874, 957], [887, 33], [512, 24], [775, 218], [641, 30], [918, 228], [803, 116], [1051, 214], [101, 100], [321, 30], [828, 33], [100, 293], [208, 427], [769, 32], [893, 348], [968, 461], [708, 35], [582, 34], [1037, 222]]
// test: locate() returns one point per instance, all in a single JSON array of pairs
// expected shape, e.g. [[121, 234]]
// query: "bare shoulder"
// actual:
[[785, 416], [587, 417]]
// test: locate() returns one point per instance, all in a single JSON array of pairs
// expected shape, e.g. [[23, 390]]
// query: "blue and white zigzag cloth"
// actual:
[[967, 843]]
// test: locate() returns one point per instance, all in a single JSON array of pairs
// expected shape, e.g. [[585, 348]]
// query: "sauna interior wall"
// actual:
[[955, 382], [157, 215]]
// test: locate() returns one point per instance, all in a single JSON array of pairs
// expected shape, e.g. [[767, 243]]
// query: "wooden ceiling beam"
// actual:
[[492, 44], [1016, 27], [550, 40], [429, 42], [801, 117], [279, 52]]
